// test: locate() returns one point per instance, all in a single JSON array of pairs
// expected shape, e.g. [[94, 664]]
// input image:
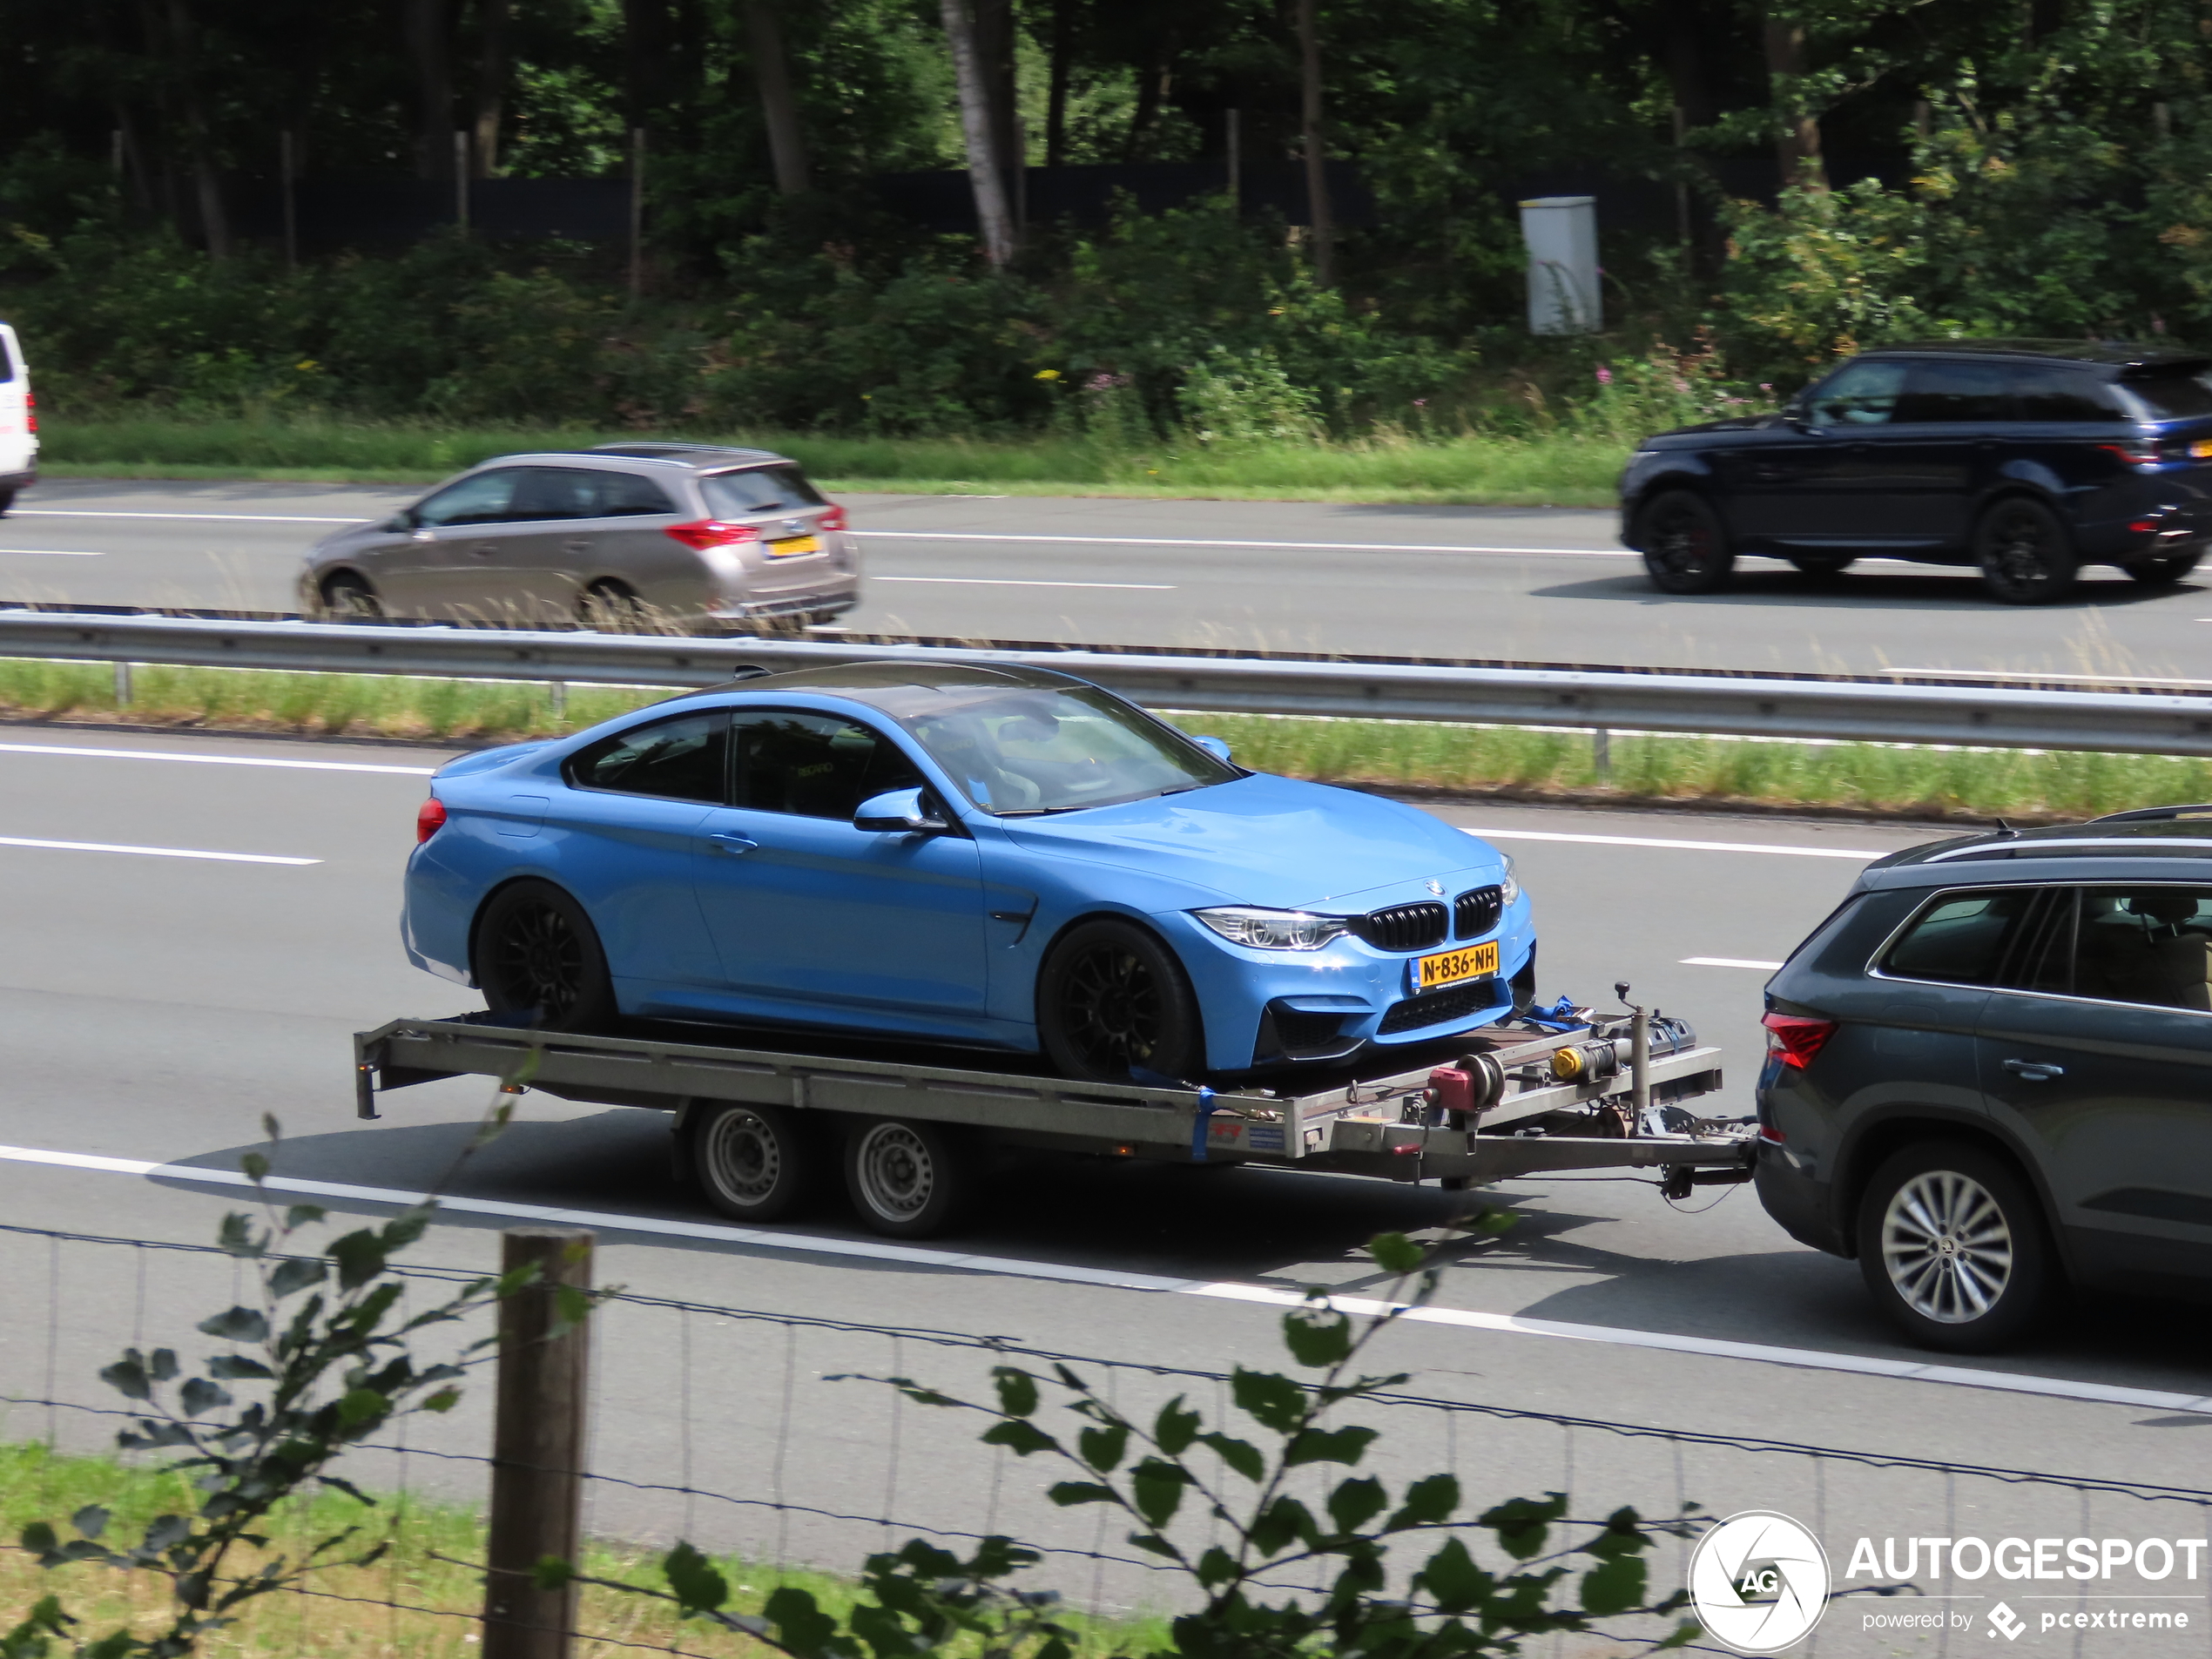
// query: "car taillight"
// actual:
[[29, 413], [2136, 452], [833, 520], [429, 820], [1793, 1039], [704, 533]]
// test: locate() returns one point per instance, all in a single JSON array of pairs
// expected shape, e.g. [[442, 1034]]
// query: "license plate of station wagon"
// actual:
[[791, 547], [1451, 967]]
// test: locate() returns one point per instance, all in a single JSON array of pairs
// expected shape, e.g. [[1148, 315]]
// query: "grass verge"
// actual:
[[1878, 780], [439, 1599], [1558, 471]]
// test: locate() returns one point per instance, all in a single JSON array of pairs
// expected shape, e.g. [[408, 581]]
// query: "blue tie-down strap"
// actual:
[[1561, 1015], [1207, 1100]]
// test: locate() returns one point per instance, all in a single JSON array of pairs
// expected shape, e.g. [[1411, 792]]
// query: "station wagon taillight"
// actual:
[[429, 819], [833, 520], [703, 533], [1794, 1039]]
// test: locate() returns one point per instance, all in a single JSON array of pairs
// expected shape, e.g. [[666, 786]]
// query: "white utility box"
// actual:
[[1563, 293]]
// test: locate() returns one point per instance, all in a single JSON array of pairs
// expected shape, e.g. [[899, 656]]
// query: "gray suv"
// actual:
[[1989, 1073], [662, 538]]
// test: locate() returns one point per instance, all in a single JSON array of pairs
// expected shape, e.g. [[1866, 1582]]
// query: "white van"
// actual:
[[18, 421]]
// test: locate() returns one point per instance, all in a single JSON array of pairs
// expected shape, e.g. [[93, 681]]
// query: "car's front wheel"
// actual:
[[1685, 544], [1113, 1002], [347, 597], [2163, 573], [538, 957], [2025, 556], [1951, 1243]]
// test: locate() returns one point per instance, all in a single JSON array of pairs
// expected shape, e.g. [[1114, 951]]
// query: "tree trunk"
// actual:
[[207, 184], [1798, 147], [645, 34], [1681, 59], [1317, 163], [779, 111], [994, 50], [2044, 18], [491, 84], [1154, 79], [429, 27], [983, 175], [1055, 118]]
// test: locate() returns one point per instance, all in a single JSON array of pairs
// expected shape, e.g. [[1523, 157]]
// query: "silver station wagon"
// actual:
[[633, 538]]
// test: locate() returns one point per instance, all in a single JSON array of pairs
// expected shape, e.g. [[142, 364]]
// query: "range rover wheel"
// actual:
[[1822, 565], [2162, 573], [348, 597], [1951, 1243], [753, 1162], [908, 1180], [1112, 1000], [1685, 544], [2025, 556], [537, 956]]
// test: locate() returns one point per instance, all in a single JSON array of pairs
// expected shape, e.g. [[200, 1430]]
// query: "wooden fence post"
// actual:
[[537, 1447]]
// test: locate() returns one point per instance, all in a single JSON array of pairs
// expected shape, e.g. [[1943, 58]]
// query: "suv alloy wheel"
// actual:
[[2025, 556], [1951, 1243]]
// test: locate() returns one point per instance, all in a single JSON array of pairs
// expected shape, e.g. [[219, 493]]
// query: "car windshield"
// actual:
[[2173, 395], [1024, 753]]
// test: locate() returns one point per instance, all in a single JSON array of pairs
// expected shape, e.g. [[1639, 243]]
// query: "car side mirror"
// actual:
[[1218, 747], [400, 522], [900, 811]]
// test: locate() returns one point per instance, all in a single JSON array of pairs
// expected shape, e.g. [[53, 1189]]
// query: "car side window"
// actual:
[[626, 495], [1954, 394], [812, 765], [681, 759], [2066, 395], [573, 492], [1960, 938], [483, 498], [2149, 945], [1857, 394]]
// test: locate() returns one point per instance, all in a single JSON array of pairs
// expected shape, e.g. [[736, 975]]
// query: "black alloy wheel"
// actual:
[[2025, 556], [609, 608], [755, 1164], [1685, 545], [1951, 1243], [537, 955], [348, 597], [1112, 1000], [2165, 571], [1820, 566]]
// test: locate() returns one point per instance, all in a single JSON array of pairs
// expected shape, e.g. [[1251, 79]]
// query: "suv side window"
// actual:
[[1863, 393], [2070, 394], [1953, 394], [1960, 938], [681, 759], [812, 765], [2150, 946]]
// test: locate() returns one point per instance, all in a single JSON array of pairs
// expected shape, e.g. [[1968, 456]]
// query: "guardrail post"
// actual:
[[557, 696], [123, 685], [537, 1447], [1602, 753]]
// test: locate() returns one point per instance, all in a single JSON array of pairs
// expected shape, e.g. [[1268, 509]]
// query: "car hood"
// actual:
[[1265, 841]]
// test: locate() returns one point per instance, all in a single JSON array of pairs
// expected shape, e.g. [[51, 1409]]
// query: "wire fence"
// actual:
[[758, 1435]]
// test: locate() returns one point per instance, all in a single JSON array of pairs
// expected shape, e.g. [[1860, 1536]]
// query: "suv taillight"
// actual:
[[2136, 452], [833, 520], [1794, 1040], [704, 533], [429, 819]]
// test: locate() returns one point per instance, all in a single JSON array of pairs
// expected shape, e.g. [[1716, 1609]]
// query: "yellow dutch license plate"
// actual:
[[1451, 967], [791, 546]]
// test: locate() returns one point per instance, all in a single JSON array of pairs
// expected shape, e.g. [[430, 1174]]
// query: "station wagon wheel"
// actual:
[[2025, 556], [609, 608], [753, 1162], [1112, 1000], [349, 597], [2163, 572], [537, 955], [908, 1180], [1951, 1242], [1685, 544]]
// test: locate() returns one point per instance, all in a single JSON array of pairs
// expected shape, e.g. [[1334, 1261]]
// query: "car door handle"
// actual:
[[577, 546], [736, 845], [2034, 1071], [485, 550]]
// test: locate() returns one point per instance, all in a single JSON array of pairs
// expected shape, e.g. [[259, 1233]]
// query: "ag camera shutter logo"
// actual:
[[1758, 1582]]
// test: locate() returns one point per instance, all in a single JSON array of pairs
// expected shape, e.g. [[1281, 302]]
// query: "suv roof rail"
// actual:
[[654, 449], [2153, 814]]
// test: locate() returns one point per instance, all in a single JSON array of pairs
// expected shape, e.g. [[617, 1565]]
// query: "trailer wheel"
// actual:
[[908, 1180], [538, 954], [753, 1162]]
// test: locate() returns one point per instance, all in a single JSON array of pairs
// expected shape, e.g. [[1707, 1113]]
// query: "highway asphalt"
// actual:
[[153, 1006], [1518, 584]]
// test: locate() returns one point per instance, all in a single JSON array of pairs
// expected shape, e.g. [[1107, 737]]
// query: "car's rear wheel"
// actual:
[[1685, 544], [2164, 572], [1113, 1002], [2025, 556], [1951, 1243], [754, 1162], [908, 1180], [537, 956], [7, 500], [1820, 566], [611, 608], [348, 597]]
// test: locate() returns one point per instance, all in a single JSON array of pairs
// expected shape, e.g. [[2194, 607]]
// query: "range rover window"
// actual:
[[1862, 393], [1960, 938], [1955, 393], [2068, 395], [2178, 394]]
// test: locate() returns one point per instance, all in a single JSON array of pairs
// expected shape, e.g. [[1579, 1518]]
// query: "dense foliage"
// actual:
[[2036, 170]]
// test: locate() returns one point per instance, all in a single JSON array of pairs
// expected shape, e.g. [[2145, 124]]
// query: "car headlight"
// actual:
[[1508, 889], [1272, 929]]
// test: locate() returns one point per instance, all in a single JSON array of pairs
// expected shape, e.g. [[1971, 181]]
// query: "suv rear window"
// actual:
[[1960, 938], [2173, 396], [758, 489]]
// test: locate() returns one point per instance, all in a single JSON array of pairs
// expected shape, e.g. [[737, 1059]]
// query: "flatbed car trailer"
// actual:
[[1604, 1093]]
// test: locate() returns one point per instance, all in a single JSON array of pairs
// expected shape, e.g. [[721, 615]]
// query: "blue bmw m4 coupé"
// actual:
[[998, 856]]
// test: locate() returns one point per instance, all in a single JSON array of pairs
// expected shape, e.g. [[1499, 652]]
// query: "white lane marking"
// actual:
[[151, 852], [1311, 547], [213, 760], [54, 552], [999, 582], [1693, 846], [239, 518], [2083, 680], [1728, 962], [1265, 1295]]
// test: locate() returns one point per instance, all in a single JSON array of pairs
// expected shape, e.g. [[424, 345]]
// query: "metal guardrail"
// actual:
[[1898, 710]]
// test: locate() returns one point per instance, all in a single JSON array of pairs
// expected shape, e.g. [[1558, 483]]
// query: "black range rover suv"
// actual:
[[2027, 458], [1989, 1073]]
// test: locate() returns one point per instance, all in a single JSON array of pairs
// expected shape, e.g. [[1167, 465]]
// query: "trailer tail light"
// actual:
[[833, 520], [704, 533], [1794, 1040], [429, 819]]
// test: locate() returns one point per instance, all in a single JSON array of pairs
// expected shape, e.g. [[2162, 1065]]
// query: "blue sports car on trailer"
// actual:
[[1000, 856]]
